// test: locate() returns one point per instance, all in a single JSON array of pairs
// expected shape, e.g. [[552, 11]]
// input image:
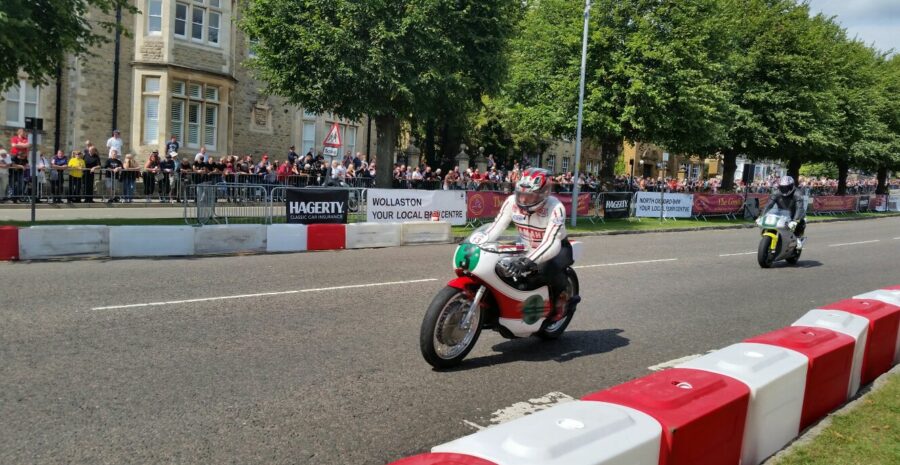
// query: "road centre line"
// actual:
[[262, 294], [626, 263], [734, 254], [854, 243]]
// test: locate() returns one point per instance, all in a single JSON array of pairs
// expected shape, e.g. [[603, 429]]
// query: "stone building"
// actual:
[[179, 72]]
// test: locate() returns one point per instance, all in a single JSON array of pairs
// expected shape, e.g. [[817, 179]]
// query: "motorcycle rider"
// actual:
[[540, 220], [789, 198]]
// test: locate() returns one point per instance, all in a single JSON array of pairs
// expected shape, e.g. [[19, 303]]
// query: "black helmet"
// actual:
[[786, 185]]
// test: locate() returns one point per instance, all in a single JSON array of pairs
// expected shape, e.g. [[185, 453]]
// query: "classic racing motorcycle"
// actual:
[[486, 294], [778, 240]]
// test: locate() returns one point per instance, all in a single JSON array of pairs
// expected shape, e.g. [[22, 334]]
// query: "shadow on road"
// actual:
[[800, 264], [572, 345]]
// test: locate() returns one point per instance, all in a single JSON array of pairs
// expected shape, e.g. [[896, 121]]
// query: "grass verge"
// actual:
[[867, 435]]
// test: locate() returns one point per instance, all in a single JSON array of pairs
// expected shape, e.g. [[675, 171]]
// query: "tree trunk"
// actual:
[[609, 154], [729, 166], [794, 169], [385, 143], [882, 181], [843, 168], [430, 155]]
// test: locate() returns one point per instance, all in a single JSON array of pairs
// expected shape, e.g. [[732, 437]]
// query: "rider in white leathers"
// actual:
[[540, 220]]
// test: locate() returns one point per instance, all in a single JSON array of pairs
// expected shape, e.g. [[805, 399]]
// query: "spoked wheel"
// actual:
[[444, 338], [555, 329], [765, 256]]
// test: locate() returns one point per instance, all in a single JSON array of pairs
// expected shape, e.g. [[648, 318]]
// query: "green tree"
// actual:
[[888, 110], [654, 73], [392, 59], [36, 35]]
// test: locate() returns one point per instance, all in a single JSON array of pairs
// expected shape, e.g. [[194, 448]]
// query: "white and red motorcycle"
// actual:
[[486, 294]]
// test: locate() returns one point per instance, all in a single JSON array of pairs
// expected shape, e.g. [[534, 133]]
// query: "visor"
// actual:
[[527, 199], [785, 189]]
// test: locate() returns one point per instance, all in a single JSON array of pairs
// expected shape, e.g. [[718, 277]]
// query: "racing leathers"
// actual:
[[544, 233], [793, 203]]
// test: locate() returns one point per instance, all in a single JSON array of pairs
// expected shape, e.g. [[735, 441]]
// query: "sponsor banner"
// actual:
[[584, 203], [615, 205], [481, 205], [717, 204], [647, 204], [878, 203], [404, 205], [893, 203], [314, 206], [834, 203]]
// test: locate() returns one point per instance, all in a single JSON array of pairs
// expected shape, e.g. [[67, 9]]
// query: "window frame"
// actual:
[[22, 102], [148, 94], [196, 101], [187, 9], [151, 16]]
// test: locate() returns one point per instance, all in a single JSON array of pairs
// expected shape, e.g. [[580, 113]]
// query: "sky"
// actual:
[[873, 21]]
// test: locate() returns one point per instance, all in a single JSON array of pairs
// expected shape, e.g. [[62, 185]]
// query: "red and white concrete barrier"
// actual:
[[735, 406]]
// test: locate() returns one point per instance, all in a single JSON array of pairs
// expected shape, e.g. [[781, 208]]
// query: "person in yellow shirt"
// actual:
[[76, 173]]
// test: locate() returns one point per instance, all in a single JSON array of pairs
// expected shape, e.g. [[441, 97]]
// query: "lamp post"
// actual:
[[584, 41]]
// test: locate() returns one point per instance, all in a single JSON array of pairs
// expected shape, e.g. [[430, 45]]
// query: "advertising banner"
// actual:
[[834, 203], [893, 203], [615, 205], [647, 204], [404, 205], [717, 204], [878, 203], [481, 205], [313, 206], [584, 203]]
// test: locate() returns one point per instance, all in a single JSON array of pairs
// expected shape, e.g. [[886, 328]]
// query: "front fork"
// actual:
[[476, 302], [774, 242]]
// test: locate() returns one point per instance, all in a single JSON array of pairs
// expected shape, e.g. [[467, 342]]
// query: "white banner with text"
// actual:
[[648, 204], [402, 205]]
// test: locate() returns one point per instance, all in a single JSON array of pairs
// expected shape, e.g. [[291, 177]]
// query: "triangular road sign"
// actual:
[[333, 139]]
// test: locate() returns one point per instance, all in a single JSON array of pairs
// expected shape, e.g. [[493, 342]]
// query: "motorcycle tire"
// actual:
[[793, 259], [437, 328], [764, 256], [551, 330]]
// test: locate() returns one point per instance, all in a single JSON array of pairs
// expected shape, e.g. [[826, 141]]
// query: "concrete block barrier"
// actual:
[[286, 238], [151, 241], [40, 242], [777, 380], [846, 323], [443, 459], [702, 413], [889, 295], [326, 237], [9, 243], [364, 235], [229, 238], [882, 339], [573, 433], [830, 357], [426, 232]]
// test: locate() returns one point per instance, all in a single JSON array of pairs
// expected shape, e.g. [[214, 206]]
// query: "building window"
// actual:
[[154, 17], [252, 45], [350, 139], [181, 11], [151, 110], [565, 165], [201, 125], [309, 136], [205, 21], [551, 163], [21, 101]]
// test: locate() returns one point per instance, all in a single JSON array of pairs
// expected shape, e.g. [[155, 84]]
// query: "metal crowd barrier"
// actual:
[[226, 203]]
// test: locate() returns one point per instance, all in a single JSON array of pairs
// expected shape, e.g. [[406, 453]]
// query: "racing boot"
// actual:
[[800, 241], [564, 307]]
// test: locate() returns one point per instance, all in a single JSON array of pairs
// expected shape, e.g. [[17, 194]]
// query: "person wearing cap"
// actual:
[[166, 168], [115, 142]]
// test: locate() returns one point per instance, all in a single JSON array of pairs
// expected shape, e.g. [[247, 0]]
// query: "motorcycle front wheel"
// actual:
[[443, 339], [764, 255]]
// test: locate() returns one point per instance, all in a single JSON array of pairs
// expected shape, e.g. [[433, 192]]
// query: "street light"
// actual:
[[584, 41]]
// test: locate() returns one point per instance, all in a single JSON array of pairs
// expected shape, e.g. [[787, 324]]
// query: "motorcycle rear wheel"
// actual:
[[793, 259], [554, 329], [444, 342]]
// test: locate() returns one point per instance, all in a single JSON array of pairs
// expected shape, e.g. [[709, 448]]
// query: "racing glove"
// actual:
[[792, 225], [522, 266]]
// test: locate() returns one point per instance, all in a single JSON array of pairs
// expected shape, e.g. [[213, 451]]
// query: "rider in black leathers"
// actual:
[[789, 198]]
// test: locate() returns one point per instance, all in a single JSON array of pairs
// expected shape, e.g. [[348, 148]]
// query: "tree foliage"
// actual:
[[37, 35]]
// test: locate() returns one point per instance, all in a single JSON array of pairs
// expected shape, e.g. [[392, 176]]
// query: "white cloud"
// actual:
[[872, 21]]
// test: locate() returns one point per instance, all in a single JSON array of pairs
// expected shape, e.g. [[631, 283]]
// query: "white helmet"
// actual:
[[786, 185]]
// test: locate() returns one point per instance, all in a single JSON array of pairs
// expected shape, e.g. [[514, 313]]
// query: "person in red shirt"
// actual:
[[18, 151]]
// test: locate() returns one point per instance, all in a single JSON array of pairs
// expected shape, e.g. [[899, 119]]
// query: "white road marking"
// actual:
[[262, 294], [897, 238], [734, 254], [626, 263], [853, 243], [520, 409], [673, 363]]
